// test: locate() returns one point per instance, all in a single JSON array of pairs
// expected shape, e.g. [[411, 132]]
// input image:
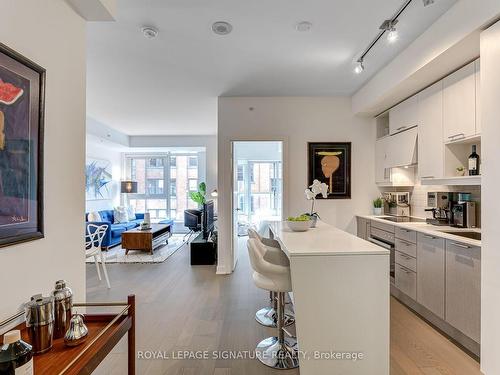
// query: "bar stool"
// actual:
[[278, 352], [273, 254]]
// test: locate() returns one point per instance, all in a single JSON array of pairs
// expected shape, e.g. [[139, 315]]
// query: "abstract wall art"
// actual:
[[22, 99], [98, 177], [331, 163]]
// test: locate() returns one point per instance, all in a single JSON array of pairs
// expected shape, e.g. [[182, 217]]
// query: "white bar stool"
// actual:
[[272, 253], [278, 352]]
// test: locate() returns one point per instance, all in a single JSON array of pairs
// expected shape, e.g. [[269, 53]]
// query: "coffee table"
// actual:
[[146, 240]]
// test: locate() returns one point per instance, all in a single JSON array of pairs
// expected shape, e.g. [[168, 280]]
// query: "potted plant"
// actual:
[[378, 205], [460, 171], [314, 190], [200, 195]]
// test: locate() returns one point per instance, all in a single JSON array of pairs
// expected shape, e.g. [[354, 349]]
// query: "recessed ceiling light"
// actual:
[[303, 26], [222, 27], [149, 32]]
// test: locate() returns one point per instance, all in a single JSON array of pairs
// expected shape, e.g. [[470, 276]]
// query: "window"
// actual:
[[173, 187], [163, 184], [155, 187], [193, 162], [193, 185]]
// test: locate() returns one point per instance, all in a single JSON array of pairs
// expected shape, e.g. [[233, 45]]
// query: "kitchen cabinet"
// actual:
[[405, 281], [381, 147], [363, 227], [459, 104], [431, 273], [430, 132], [478, 95], [463, 288], [404, 116], [402, 149]]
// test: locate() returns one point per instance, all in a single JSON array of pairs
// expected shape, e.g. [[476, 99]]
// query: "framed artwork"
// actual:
[[331, 163], [22, 98], [98, 179]]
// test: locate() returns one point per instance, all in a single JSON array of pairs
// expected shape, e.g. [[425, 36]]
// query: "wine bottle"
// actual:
[[473, 162], [16, 356]]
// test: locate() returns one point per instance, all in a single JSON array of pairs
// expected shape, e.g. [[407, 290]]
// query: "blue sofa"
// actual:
[[114, 233]]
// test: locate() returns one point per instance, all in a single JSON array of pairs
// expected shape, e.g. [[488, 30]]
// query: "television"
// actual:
[[208, 219]]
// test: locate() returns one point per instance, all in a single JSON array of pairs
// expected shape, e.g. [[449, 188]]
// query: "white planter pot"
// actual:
[[377, 211]]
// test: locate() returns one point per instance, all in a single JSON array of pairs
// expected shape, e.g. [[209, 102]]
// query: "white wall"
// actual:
[[209, 142], [100, 149], [490, 252], [296, 121], [51, 34]]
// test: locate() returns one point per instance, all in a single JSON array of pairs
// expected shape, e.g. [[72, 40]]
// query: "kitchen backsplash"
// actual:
[[418, 200]]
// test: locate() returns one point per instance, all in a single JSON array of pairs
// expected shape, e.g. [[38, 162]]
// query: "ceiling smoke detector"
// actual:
[[149, 32], [222, 28], [303, 26]]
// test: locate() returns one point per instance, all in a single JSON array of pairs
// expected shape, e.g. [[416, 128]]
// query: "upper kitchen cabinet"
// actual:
[[402, 149], [381, 173], [459, 104], [403, 116], [430, 132]]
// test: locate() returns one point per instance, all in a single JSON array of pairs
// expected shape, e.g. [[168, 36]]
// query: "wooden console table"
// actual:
[[105, 331]]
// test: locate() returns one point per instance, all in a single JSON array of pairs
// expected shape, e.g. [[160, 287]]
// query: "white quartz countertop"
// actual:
[[432, 230], [323, 240]]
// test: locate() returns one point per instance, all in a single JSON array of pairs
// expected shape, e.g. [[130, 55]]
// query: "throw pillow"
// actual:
[[120, 214], [94, 216], [131, 213]]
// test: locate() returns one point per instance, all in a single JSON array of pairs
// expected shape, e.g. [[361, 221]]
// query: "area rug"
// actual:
[[117, 254]]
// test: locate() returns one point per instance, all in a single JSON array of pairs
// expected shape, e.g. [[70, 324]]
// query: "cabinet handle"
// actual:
[[461, 245], [429, 237], [427, 177], [401, 128], [461, 135]]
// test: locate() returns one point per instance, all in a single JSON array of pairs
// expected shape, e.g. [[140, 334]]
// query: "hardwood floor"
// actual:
[[191, 308]]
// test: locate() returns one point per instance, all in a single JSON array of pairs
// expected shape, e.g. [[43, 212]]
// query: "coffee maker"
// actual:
[[463, 211], [440, 204]]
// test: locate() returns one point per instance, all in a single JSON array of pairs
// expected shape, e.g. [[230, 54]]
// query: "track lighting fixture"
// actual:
[[389, 27], [359, 67]]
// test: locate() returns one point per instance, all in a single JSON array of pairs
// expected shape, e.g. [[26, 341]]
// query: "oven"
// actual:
[[386, 240]]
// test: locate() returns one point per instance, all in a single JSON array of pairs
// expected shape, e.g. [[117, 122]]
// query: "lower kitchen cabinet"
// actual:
[[463, 288], [406, 281], [363, 228], [431, 273]]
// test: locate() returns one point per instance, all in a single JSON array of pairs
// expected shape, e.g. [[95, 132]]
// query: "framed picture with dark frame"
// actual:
[[330, 162], [22, 99]]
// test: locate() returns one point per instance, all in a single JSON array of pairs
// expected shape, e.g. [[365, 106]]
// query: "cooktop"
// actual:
[[403, 219]]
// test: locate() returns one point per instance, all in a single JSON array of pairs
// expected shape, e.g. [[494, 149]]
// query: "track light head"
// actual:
[[392, 35], [359, 67], [390, 27]]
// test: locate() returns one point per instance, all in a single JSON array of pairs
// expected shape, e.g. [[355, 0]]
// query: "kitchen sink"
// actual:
[[471, 235]]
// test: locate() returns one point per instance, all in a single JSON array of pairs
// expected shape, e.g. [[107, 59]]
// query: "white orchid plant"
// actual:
[[314, 190]]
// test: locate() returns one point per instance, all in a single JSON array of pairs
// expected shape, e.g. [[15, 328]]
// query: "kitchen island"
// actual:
[[341, 300]]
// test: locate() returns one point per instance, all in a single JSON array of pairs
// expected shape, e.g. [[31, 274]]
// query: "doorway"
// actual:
[[257, 185]]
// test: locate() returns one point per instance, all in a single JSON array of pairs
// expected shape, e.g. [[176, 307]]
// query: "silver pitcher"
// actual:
[[77, 332], [39, 313], [63, 304]]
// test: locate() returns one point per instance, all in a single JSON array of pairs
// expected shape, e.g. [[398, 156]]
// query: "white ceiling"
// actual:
[[170, 84]]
